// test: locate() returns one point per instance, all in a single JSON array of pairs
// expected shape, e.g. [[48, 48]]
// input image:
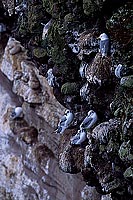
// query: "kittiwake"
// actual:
[[18, 112], [121, 71], [79, 138], [104, 44], [89, 120], [65, 121]]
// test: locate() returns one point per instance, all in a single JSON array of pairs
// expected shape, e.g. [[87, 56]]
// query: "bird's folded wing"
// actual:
[[87, 121]]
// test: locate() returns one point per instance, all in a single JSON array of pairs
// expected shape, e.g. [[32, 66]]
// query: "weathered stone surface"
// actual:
[[28, 135], [125, 152], [106, 197], [92, 7], [70, 157], [104, 131], [30, 85], [105, 159], [26, 173], [11, 63], [8, 100], [129, 172], [90, 193], [88, 43], [94, 73]]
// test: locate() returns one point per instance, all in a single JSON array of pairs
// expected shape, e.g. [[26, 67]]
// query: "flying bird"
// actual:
[[79, 138], [18, 112], [65, 121], [104, 44], [89, 120]]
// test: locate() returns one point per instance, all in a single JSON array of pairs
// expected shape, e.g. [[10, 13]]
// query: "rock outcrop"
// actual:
[[82, 80], [29, 147], [30, 85]]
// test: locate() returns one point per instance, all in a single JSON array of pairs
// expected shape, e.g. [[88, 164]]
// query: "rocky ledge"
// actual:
[[62, 67]]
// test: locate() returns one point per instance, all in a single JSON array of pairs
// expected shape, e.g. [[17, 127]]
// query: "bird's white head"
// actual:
[[90, 112], [67, 111], [103, 36]]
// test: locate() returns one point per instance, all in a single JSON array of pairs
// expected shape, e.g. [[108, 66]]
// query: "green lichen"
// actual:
[[127, 81], [125, 152], [35, 17], [70, 88], [56, 44], [129, 172], [118, 112], [119, 26], [55, 7], [112, 146], [92, 7], [39, 52], [68, 18]]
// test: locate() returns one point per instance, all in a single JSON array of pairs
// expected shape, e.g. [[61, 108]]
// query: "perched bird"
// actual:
[[82, 68], [79, 138], [18, 112], [2, 27], [21, 7], [121, 71], [89, 121], [46, 28], [50, 77], [76, 35], [75, 48], [104, 44], [84, 92], [65, 121]]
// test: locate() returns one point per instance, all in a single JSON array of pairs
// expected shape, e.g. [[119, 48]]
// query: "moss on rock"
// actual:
[[127, 81], [70, 88], [129, 172], [125, 152], [90, 7], [40, 54]]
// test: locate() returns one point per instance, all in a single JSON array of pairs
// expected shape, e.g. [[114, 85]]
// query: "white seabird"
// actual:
[[50, 78], [82, 69], [76, 35], [21, 7], [121, 71], [84, 92], [75, 48], [65, 121], [18, 112], [90, 120], [2, 27], [46, 28], [79, 138], [104, 44]]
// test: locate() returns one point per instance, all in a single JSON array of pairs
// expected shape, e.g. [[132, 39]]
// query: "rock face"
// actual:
[[31, 86], [28, 146], [94, 73], [81, 80]]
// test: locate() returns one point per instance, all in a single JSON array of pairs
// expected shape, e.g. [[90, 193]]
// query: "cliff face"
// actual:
[[81, 80], [29, 147]]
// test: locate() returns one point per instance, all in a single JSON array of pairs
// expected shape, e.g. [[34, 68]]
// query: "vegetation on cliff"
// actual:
[[105, 159]]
